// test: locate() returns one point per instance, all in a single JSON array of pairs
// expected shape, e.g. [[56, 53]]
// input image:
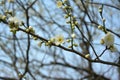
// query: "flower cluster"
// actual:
[[57, 40], [102, 27], [14, 23], [31, 30], [65, 4], [108, 40], [68, 9]]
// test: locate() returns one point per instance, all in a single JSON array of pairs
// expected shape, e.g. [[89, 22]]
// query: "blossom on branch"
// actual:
[[59, 39], [73, 35], [108, 39], [59, 4], [13, 22]]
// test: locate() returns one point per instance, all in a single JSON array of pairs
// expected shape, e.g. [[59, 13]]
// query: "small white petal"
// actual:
[[73, 35]]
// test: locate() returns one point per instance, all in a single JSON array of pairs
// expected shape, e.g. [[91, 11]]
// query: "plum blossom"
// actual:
[[108, 39]]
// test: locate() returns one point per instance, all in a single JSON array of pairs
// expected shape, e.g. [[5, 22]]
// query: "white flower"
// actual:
[[13, 19], [108, 39], [73, 35], [59, 4], [59, 39], [13, 22]]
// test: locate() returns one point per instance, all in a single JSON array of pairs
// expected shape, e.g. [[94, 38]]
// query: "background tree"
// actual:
[[59, 39]]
